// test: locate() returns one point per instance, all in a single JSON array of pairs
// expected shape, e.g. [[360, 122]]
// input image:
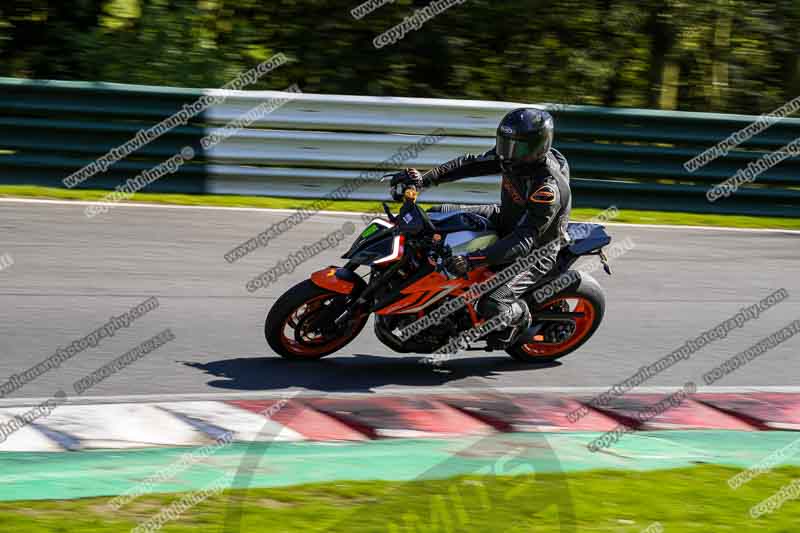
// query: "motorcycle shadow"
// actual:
[[359, 373]]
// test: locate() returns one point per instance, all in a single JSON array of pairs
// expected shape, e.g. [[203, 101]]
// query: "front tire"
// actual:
[[584, 296], [288, 327]]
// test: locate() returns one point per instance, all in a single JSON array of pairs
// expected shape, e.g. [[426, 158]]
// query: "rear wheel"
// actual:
[[584, 303], [299, 325]]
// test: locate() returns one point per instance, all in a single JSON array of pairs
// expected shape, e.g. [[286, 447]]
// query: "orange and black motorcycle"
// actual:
[[407, 280]]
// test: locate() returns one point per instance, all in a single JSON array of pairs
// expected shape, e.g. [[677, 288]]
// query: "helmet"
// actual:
[[524, 136]]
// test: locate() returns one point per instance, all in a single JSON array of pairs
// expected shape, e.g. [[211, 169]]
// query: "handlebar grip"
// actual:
[[397, 193]]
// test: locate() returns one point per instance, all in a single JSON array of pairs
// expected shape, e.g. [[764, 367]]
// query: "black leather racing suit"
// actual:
[[534, 210]]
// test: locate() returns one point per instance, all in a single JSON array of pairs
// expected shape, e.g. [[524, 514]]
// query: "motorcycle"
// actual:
[[407, 282]]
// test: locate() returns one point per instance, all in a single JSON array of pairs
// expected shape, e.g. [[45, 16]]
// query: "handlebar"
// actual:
[[398, 191], [433, 243]]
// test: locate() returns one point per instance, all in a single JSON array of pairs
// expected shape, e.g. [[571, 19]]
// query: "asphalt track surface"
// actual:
[[71, 274]]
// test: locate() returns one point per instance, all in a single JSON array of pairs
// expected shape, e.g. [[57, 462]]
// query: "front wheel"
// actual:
[[584, 299], [299, 325]]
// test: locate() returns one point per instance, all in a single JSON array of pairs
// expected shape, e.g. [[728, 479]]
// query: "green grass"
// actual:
[[689, 500], [578, 214]]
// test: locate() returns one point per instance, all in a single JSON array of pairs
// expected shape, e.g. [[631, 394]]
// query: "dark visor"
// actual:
[[516, 150], [511, 149]]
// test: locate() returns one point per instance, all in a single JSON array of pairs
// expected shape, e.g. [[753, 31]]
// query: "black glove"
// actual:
[[409, 176], [458, 265]]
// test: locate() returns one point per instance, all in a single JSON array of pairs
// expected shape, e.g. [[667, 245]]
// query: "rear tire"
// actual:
[[588, 294], [296, 307]]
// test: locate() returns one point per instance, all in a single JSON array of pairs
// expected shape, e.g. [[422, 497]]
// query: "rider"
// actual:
[[534, 209]]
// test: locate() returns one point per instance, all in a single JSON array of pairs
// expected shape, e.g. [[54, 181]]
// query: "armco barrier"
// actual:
[[314, 143]]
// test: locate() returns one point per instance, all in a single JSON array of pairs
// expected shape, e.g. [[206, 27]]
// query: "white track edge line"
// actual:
[[290, 394], [356, 214]]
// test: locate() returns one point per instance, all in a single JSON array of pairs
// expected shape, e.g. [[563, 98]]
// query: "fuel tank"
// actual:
[[463, 242], [463, 231]]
